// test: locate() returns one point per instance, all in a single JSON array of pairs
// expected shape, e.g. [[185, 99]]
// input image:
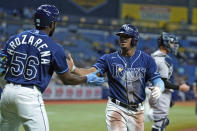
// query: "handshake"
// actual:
[[93, 77]]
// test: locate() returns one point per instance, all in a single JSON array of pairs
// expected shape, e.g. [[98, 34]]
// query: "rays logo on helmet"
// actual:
[[47, 12], [127, 28]]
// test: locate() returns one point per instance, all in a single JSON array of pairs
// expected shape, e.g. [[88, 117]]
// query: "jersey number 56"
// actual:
[[23, 65]]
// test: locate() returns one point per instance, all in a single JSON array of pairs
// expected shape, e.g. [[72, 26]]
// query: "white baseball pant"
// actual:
[[121, 119], [22, 105]]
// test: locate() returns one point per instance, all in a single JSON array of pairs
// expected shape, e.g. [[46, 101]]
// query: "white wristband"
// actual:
[[73, 69]]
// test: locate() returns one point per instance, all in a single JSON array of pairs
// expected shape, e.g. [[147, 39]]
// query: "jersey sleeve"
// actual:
[[59, 62], [101, 64], [152, 72], [5, 49]]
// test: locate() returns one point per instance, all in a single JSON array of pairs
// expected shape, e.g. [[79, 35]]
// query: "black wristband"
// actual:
[[169, 85]]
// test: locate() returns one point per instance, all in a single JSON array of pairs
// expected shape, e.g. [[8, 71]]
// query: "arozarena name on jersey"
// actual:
[[36, 43]]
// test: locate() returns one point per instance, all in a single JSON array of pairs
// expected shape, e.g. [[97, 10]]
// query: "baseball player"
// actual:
[[3, 62], [127, 70], [167, 43], [32, 58]]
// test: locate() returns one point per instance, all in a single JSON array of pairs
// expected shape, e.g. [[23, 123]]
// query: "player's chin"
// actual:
[[123, 47]]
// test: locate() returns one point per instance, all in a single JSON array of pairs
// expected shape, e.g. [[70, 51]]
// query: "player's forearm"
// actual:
[[169, 85], [83, 71], [73, 79]]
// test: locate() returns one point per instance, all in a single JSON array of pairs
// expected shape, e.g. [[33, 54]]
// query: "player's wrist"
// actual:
[[74, 68]]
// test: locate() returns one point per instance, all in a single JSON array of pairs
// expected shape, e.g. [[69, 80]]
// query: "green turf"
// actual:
[[91, 117], [182, 117]]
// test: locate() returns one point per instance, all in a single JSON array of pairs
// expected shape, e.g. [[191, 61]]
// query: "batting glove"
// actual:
[[156, 92], [93, 78]]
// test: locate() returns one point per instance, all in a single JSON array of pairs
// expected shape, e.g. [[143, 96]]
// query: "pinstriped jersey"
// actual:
[[127, 76], [32, 58]]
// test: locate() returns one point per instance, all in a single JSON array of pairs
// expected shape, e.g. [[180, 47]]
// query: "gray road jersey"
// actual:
[[164, 64]]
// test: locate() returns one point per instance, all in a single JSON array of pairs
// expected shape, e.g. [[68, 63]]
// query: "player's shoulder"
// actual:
[[168, 59], [144, 57], [12, 37], [143, 54], [158, 53], [55, 47], [113, 53], [18, 34], [25, 32], [47, 39]]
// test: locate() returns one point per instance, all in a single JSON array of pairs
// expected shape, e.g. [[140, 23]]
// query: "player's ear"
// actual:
[[52, 25]]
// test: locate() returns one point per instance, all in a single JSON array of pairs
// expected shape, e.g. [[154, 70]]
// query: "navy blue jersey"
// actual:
[[32, 58], [127, 76]]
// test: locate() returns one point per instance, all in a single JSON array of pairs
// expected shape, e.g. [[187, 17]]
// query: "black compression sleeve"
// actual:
[[169, 85]]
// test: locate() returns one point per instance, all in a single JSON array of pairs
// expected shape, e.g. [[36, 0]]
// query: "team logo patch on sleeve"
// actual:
[[120, 69]]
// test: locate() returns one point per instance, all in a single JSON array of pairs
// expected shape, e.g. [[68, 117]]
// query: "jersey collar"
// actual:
[[39, 32], [134, 55]]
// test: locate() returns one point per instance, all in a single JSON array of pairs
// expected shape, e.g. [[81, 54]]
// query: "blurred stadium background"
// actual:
[[86, 29]]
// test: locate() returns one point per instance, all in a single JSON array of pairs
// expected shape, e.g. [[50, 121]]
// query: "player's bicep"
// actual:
[[64, 77]]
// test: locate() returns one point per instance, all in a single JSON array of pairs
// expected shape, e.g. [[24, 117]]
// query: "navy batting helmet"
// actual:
[[45, 15], [131, 31], [170, 41]]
